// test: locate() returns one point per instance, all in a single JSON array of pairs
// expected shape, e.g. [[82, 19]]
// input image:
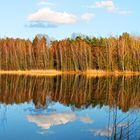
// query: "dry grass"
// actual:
[[32, 72], [88, 73], [100, 73]]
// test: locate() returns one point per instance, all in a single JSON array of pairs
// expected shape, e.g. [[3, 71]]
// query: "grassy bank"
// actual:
[[89, 73]]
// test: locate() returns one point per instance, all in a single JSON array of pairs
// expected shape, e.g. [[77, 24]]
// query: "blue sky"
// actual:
[[60, 18]]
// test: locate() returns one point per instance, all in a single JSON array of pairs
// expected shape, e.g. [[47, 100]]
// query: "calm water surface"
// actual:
[[69, 107]]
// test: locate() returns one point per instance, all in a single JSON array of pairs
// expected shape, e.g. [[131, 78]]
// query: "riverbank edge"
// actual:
[[89, 73]]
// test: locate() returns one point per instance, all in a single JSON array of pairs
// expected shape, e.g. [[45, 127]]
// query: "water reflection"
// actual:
[[77, 91], [46, 121], [120, 126], [106, 107], [3, 116]]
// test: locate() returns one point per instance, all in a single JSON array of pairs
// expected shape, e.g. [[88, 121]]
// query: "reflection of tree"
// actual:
[[77, 91], [123, 127]]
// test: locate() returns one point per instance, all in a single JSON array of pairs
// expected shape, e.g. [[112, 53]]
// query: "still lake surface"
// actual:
[[69, 107]]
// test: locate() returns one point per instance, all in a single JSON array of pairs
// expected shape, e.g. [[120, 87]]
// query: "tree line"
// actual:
[[82, 53]]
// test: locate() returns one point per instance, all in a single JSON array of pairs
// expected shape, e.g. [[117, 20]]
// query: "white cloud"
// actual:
[[52, 17], [42, 132], [46, 121], [109, 131], [87, 16], [108, 4], [40, 25], [56, 118], [123, 124], [87, 120], [124, 13], [102, 132]]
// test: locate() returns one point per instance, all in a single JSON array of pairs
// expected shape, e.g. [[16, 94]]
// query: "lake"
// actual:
[[69, 107]]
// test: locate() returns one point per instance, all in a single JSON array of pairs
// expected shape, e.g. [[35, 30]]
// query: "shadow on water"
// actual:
[[80, 92]]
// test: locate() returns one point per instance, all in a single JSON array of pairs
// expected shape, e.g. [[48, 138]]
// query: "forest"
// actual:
[[120, 53]]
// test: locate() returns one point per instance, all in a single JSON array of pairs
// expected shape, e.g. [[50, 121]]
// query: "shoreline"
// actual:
[[88, 73]]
